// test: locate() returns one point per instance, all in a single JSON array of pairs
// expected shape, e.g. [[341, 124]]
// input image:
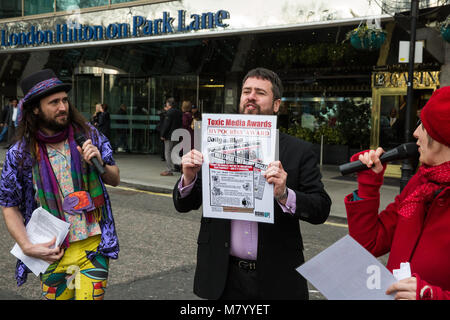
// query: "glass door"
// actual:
[[179, 87], [211, 94], [183, 87], [389, 118], [128, 101], [87, 94], [134, 103]]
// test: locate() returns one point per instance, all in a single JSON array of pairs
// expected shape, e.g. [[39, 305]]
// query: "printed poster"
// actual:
[[237, 150]]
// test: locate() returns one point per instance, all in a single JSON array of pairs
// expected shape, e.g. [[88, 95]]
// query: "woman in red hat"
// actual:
[[415, 228]]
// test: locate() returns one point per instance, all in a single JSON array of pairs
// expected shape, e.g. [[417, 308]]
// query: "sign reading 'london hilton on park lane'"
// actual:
[[75, 32]]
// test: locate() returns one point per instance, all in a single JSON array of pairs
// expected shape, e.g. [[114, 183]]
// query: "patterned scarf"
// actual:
[[438, 177], [84, 178]]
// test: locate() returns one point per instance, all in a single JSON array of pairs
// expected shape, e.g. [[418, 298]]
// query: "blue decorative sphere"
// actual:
[[371, 41], [445, 33]]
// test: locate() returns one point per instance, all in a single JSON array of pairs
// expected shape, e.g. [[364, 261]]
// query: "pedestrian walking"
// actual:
[[172, 121], [162, 115]]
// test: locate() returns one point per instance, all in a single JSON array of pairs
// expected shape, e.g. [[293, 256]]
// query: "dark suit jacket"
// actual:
[[172, 120], [280, 246], [104, 124]]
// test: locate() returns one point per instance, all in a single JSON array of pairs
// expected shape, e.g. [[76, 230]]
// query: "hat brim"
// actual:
[[58, 88]]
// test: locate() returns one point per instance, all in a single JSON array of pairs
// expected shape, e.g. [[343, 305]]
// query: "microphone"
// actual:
[[80, 139], [403, 151]]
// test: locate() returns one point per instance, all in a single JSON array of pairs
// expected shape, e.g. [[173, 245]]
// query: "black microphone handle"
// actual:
[[97, 166], [406, 150], [403, 151], [350, 167], [356, 166], [80, 139]]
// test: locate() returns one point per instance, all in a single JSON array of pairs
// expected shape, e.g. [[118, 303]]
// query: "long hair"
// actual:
[[29, 125], [186, 106]]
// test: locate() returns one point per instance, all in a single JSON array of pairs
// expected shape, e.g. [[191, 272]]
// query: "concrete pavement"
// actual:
[[142, 171]]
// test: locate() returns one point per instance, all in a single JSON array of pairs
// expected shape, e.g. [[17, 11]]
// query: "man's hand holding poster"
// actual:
[[237, 150]]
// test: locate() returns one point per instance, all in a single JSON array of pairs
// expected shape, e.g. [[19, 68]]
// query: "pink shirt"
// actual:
[[244, 234]]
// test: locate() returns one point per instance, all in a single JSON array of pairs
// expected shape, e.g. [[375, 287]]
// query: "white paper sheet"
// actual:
[[42, 227], [347, 271], [402, 273], [236, 150]]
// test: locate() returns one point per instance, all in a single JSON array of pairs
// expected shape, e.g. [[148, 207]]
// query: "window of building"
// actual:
[[37, 7], [67, 5], [120, 1], [9, 9]]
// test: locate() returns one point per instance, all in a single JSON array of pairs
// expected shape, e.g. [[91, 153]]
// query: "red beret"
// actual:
[[435, 116]]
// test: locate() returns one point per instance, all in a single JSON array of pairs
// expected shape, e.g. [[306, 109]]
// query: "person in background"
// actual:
[[196, 113], [104, 121], [11, 121], [396, 134], [415, 228], [162, 115], [186, 108], [98, 110], [172, 121], [122, 132], [101, 119]]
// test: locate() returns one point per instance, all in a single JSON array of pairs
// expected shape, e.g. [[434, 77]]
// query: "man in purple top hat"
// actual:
[[46, 168]]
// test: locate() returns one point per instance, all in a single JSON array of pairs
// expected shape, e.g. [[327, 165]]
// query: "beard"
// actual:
[[250, 108], [56, 124]]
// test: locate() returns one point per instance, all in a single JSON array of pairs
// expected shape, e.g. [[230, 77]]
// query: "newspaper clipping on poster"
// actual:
[[237, 150]]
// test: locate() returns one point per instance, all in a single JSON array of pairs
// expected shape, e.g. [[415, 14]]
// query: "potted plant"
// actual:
[[366, 37], [305, 134], [444, 28], [353, 119], [335, 148]]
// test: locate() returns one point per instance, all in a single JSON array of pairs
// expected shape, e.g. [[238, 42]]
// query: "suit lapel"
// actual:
[[281, 148]]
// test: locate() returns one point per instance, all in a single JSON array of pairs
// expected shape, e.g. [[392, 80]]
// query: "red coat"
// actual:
[[422, 240]]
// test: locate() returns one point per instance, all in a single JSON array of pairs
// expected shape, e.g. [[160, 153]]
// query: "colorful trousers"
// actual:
[[75, 277]]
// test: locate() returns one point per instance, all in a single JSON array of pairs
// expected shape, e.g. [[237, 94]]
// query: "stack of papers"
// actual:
[[347, 271], [42, 227]]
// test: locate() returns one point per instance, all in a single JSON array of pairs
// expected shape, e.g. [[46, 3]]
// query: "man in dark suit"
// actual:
[[172, 121], [249, 260]]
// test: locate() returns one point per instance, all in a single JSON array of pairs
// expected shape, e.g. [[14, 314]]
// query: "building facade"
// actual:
[[138, 53]]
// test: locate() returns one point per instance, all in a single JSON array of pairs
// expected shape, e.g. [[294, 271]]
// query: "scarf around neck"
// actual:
[[438, 177], [84, 177]]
